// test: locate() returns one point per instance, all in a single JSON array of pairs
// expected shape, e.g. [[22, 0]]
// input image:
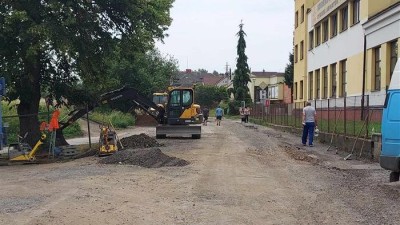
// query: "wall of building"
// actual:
[[348, 45]]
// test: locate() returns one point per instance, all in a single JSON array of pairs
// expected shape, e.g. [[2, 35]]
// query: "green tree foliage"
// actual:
[[242, 70], [51, 45], [147, 72], [289, 71], [210, 96], [289, 74], [202, 71]]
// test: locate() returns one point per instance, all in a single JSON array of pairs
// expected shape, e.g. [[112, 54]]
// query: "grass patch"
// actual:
[[117, 118], [73, 130]]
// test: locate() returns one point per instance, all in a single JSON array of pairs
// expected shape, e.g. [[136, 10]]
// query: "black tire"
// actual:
[[394, 176], [161, 136], [196, 136]]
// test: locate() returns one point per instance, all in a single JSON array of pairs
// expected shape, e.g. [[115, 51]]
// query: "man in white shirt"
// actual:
[[309, 124]]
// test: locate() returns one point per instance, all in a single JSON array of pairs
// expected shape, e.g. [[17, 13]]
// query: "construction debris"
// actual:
[[144, 157], [139, 141]]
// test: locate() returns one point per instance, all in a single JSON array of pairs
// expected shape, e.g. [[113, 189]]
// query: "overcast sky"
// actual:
[[203, 33]]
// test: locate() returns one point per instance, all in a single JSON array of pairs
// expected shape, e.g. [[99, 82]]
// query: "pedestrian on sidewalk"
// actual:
[[218, 114], [309, 124]]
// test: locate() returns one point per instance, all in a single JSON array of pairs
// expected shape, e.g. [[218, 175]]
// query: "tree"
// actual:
[[50, 46], [146, 72], [210, 96], [242, 71], [202, 71], [289, 74]]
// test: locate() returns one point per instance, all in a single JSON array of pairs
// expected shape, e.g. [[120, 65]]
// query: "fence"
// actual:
[[344, 116]]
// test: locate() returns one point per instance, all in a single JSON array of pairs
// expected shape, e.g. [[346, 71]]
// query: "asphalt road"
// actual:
[[238, 174]]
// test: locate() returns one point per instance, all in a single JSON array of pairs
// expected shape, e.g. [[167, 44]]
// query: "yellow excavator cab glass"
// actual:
[[187, 98], [175, 98], [160, 98]]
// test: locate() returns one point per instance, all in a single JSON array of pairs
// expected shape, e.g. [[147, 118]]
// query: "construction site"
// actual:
[[235, 174]]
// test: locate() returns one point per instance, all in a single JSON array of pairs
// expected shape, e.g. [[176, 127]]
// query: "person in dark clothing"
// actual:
[[206, 113]]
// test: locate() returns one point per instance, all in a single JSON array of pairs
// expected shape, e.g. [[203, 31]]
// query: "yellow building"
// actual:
[[334, 40], [268, 85]]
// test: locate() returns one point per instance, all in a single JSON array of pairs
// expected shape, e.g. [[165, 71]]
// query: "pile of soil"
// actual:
[[145, 120], [139, 141], [144, 157]]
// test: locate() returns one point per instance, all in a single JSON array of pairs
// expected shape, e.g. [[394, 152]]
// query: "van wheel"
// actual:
[[196, 136], [394, 176], [161, 136]]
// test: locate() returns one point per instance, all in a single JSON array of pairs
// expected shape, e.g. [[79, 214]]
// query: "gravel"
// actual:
[[139, 141]]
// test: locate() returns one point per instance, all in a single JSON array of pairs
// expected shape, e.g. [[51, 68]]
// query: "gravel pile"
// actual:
[[139, 141], [144, 157]]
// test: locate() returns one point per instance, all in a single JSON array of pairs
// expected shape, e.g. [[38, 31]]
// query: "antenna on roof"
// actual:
[[227, 69]]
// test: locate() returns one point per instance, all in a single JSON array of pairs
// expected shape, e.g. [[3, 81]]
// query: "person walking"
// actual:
[[206, 113], [218, 114], [246, 114], [242, 117], [309, 124]]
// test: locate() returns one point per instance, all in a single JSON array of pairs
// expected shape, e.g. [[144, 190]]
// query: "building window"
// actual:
[[301, 50], [342, 78], [310, 85], [377, 68], [325, 82], [318, 35], [325, 31], [301, 89], [334, 25], [344, 18], [296, 51], [302, 14], [296, 19], [394, 52], [317, 83], [295, 90], [356, 11], [311, 40], [333, 80]]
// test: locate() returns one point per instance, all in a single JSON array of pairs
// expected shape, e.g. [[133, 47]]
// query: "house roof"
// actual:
[[265, 74], [212, 79], [188, 78]]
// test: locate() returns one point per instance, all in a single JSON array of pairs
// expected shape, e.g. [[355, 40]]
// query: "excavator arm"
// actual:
[[126, 95]]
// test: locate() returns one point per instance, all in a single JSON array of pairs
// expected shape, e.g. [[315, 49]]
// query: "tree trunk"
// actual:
[[28, 108], [60, 139], [28, 118]]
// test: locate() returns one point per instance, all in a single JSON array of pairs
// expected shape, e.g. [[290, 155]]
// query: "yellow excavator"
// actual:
[[177, 114]]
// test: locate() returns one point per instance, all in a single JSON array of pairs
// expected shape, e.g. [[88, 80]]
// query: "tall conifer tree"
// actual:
[[242, 71]]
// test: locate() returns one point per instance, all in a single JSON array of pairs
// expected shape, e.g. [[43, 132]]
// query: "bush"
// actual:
[[73, 130], [117, 118]]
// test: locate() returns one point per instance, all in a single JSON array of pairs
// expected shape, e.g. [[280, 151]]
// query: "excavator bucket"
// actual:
[[162, 131]]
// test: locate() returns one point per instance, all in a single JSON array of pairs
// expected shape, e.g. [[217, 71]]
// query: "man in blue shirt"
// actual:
[[219, 113]]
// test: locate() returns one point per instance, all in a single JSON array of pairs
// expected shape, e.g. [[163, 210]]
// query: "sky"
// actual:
[[203, 34]]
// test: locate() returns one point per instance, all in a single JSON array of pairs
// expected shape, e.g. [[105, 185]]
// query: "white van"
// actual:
[[390, 155]]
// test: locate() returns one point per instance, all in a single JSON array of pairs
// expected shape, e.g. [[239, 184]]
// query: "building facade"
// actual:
[[268, 86], [345, 48]]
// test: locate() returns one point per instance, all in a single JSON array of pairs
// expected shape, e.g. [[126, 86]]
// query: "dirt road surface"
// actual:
[[238, 174]]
